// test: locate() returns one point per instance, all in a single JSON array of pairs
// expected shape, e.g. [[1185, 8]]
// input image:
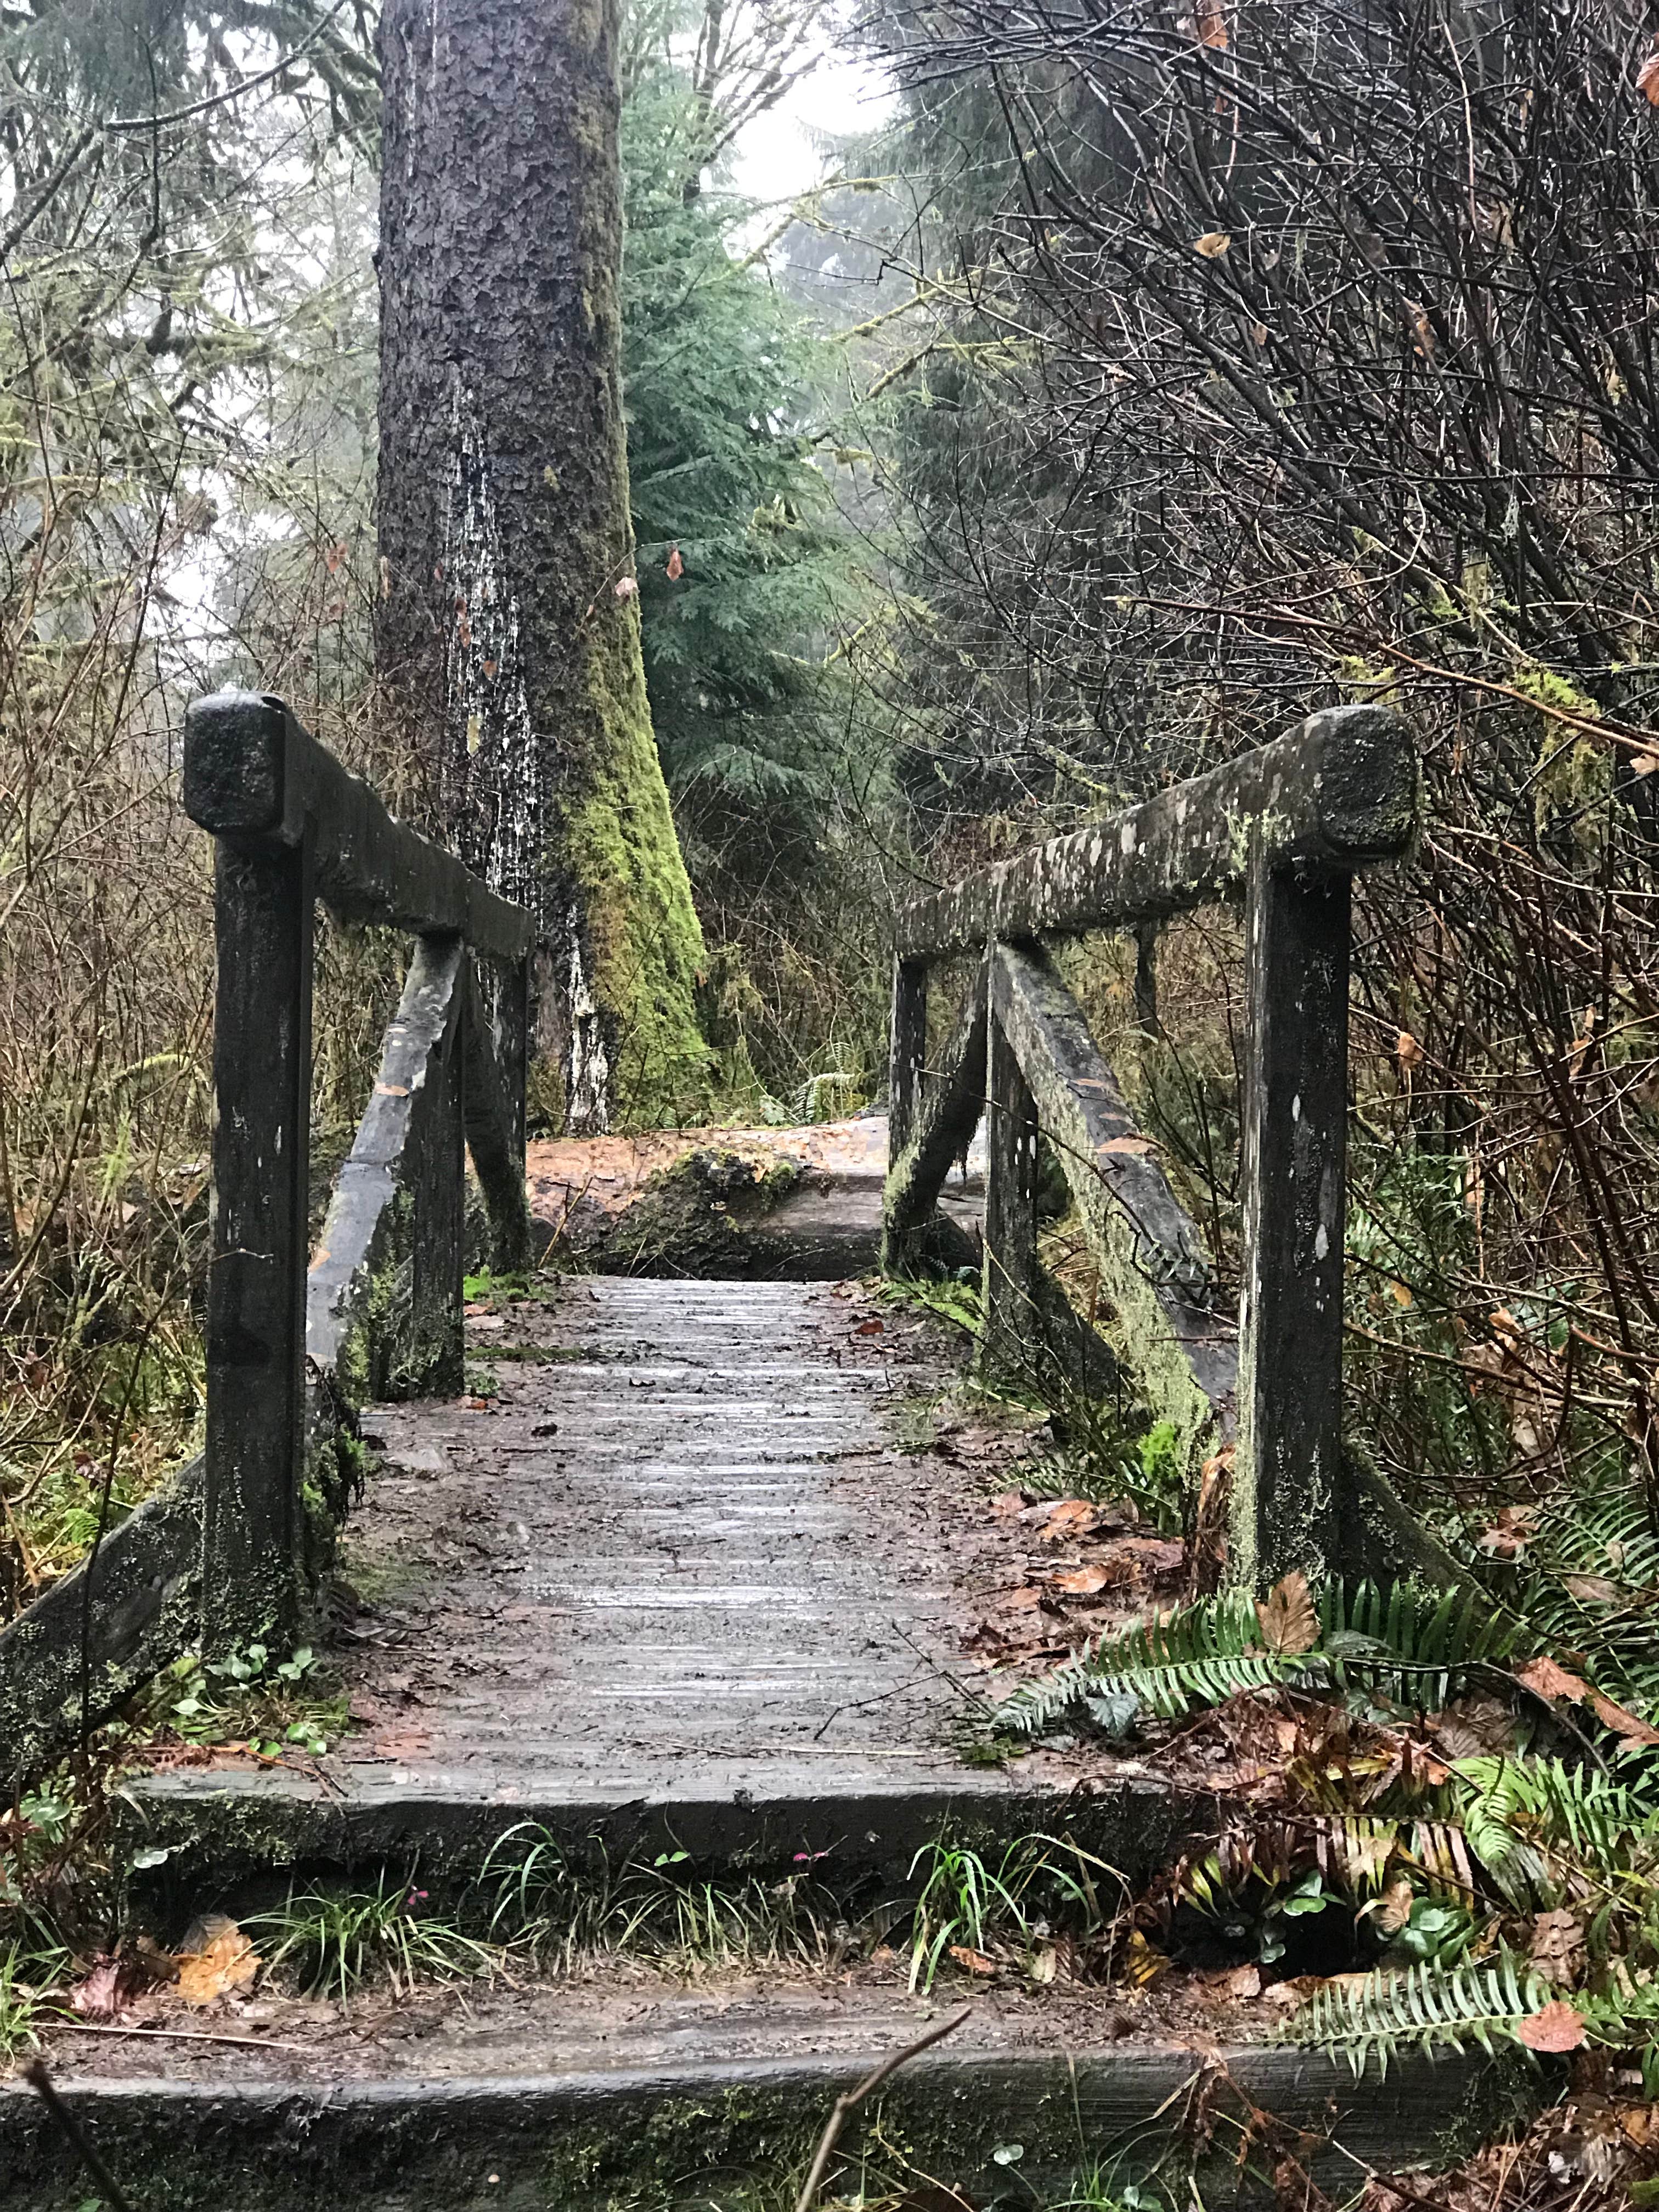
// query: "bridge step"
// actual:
[[675, 1577], [583, 2099]]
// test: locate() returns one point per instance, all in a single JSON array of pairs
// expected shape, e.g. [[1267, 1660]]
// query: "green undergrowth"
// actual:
[[252, 1696], [1452, 1832]]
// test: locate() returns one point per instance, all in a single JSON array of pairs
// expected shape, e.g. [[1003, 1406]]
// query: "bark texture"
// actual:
[[508, 618]]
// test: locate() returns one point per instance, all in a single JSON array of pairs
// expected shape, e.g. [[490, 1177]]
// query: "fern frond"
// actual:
[[1409, 1642], [1626, 2011], [1035, 1706], [1534, 1822], [1202, 1655], [1428, 2008]]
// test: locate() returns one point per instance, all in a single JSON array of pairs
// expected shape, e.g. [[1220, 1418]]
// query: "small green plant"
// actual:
[[1437, 1931], [1022, 1894], [251, 1695], [333, 1940], [564, 1900], [955, 1299], [28, 1972]]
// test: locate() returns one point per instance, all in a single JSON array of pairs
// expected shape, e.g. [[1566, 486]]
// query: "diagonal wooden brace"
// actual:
[[1177, 1345]]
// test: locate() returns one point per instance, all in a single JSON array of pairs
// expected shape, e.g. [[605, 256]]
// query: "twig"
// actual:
[[234, 92], [75, 2135], [181, 2035], [971, 1697], [850, 2098]]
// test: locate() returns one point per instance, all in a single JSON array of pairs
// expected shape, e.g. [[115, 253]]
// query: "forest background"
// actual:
[[1145, 381]]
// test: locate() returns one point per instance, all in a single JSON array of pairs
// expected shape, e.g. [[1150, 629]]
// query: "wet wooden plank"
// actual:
[[1337, 794], [254, 774]]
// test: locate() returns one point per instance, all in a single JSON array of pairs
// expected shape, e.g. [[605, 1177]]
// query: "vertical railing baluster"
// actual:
[[1290, 1508], [435, 1176], [1011, 1255], [907, 1052], [264, 913]]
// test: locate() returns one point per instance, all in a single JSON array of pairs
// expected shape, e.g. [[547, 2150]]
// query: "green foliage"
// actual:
[[33, 1964], [1255, 1906], [1019, 1891], [955, 1299], [1437, 1931], [1202, 1654], [718, 376], [1426, 2008], [1543, 1829], [251, 1695], [1589, 1578], [333, 1940], [564, 1900], [1407, 1643]]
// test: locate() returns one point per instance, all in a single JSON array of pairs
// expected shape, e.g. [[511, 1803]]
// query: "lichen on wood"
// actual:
[[1176, 1344]]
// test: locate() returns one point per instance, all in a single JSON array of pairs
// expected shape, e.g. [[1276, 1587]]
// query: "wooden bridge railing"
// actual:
[[295, 1340], [1288, 826], [291, 827]]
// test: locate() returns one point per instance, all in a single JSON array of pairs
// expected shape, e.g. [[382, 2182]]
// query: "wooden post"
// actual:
[[1290, 1508], [908, 1051], [257, 1284], [497, 1034], [1009, 1344], [436, 1179]]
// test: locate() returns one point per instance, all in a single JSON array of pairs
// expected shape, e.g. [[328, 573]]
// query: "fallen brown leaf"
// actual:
[[1212, 245], [1556, 2028], [1647, 79], [1070, 1516], [1026, 1600], [1289, 1621], [1082, 1582], [102, 1991], [1591, 1590], [1557, 1948], [870, 1328], [1547, 1678], [222, 1960], [976, 1961], [1621, 1719], [1394, 1907], [1153, 1555], [1006, 1503]]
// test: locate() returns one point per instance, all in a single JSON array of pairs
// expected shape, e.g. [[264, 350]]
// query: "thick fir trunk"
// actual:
[[508, 620]]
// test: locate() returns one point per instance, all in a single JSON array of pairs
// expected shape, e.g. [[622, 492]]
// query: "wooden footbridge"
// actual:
[[672, 1583]]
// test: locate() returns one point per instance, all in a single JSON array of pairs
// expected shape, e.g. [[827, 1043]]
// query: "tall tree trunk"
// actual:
[[508, 632]]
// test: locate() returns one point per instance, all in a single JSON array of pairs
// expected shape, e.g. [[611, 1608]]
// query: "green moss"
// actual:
[[644, 941]]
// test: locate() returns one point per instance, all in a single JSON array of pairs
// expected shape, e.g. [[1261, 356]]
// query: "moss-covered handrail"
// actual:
[[232, 1548], [1288, 826]]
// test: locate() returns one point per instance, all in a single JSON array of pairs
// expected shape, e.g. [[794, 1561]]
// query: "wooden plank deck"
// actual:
[[679, 1565]]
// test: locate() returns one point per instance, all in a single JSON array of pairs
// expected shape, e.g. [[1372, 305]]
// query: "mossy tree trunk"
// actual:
[[508, 633]]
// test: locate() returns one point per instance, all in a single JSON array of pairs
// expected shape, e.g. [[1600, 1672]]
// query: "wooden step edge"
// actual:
[[220, 1824], [1025, 2125]]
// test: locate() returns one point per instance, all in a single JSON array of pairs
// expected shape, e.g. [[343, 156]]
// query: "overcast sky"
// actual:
[[780, 154]]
